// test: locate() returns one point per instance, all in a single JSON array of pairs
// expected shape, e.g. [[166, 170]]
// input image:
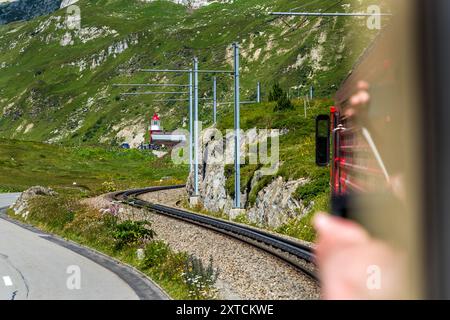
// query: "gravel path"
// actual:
[[246, 273]]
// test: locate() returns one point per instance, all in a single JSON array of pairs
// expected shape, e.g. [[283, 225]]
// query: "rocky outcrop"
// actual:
[[96, 60], [216, 153], [275, 204], [66, 3], [26, 9], [21, 207], [193, 3], [213, 195]]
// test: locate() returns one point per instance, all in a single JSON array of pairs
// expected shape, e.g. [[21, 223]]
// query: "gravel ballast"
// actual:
[[245, 272]]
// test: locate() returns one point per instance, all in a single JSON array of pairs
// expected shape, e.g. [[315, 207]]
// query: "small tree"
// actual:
[[132, 232], [276, 92], [284, 103]]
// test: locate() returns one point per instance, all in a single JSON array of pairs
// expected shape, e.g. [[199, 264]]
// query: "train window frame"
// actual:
[[323, 144], [434, 26]]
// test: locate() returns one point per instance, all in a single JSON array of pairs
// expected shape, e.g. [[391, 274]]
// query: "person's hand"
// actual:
[[352, 265], [359, 100]]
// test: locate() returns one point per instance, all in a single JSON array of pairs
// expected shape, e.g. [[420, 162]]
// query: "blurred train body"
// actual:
[[374, 150]]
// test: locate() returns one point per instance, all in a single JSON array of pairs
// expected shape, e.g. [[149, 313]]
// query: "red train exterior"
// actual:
[[358, 164]]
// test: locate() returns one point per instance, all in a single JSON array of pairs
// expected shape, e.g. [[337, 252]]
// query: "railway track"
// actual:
[[296, 254]]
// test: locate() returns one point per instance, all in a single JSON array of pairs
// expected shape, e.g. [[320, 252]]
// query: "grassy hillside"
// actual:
[[93, 170], [55, 83]]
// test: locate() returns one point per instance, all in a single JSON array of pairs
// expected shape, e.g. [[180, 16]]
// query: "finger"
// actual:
[[363, 85], [336, 233], [357, 101], [361, 98], [338, 228]]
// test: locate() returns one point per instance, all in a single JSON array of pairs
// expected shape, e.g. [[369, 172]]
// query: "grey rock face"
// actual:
[[193, 3], [26, 9], [211, 177], [66, 3], [21, 206], [275, 204]]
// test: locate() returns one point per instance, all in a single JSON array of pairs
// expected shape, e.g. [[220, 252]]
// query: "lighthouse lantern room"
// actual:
[[155, 124]]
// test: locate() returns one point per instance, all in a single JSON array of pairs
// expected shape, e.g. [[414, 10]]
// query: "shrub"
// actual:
[[110, 220], [90, 225], [283, 103], [302, 228], [200, 279], [319, 185], [132, 232], [264, 182], [243, 219], [276, 92], [108, 186], [173, 267], [55, 212], [155, 254]]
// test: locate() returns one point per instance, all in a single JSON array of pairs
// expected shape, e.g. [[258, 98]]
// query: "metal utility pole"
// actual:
[[311, 92], [215, 99], [196, 133], [304, 106], [237, 140], [195, 72], [193, 116], [258, 92], [191, 121]]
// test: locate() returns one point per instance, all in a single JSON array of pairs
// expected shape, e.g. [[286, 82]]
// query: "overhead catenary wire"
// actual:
[[152, 93], [239, 35], [150, 85], [244, 50], [284, 36], [170, 100]]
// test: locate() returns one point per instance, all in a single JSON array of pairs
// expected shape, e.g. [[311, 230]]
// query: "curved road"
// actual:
[[38, 266]]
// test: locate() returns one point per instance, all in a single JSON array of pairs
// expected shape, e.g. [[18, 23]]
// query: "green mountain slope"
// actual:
[[55, 83]]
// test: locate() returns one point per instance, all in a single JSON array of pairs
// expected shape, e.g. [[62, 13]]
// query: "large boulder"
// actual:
[[21, 206], [275, 204]]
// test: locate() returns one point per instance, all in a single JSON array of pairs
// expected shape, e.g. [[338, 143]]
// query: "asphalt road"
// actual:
[[38, 266], [7, 199]]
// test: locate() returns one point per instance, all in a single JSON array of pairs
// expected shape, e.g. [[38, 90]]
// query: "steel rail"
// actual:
[[285, 249]]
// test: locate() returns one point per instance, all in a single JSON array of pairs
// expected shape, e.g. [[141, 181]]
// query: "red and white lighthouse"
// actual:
[[161, 138], [155, 126]]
